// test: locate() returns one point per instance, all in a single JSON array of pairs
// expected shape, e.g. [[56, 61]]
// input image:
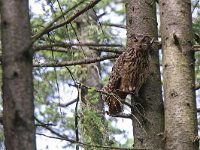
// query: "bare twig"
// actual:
[[98, 21], [77, 40], [76, 123], [45, 124], [1, 120], [76, 108], [69, 103], [52, 131], [196, 4]]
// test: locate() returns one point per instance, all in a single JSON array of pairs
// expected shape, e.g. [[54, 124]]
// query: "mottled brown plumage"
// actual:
[[128, 73]]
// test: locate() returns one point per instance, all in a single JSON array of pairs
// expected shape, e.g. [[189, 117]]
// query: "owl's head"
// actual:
[[139, 41]]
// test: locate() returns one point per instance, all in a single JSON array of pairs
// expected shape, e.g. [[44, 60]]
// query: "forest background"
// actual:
[[75, 44]]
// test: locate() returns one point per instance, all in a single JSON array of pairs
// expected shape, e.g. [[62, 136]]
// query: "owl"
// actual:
[[128, 73]]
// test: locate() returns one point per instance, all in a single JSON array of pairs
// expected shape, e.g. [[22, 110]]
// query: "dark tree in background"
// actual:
[[18, 117], [92, 130]]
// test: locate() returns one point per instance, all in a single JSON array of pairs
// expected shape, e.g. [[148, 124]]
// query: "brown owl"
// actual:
[[128, 73]]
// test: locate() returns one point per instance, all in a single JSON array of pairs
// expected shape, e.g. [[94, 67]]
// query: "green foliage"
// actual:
[[96, 129], [50, 84]]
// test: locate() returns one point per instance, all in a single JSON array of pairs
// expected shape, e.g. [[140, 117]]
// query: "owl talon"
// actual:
[[130, 88]]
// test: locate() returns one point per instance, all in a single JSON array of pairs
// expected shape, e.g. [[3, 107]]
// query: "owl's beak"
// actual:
[[152, 40]]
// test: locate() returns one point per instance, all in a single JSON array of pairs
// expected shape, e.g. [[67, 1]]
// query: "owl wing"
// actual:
[[116, 75], [115, 106], [127, 71]]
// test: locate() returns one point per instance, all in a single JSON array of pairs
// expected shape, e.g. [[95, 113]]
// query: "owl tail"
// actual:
[[114, 103]]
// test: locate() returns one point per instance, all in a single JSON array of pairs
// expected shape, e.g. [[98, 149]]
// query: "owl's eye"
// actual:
[[144, 40], [135, 39]]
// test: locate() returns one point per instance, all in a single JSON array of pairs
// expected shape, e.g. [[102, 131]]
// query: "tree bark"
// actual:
[[18, 108], [179, 76], [141, 19]]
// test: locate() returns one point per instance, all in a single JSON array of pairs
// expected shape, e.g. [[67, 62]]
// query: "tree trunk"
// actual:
[[141, 19], [179, 76], [18, 108]]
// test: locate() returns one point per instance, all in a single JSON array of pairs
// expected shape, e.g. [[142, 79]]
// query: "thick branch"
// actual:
[[125, 116], [78, 62]]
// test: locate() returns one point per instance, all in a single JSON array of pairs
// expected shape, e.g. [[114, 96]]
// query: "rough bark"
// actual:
[[141, 19], [18, 108], [179, 77]]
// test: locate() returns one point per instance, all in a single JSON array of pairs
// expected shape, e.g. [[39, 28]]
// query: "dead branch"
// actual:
[[195, 6], [122, 115], [78, 62], [69, 45], [50, 27], [52, 131], [64, 137], [74, 49], [68, 104], [107, 49], [41, 33], [85, 144]]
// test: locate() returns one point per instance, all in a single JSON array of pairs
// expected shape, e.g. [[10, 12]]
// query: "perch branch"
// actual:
[[196, 48]]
